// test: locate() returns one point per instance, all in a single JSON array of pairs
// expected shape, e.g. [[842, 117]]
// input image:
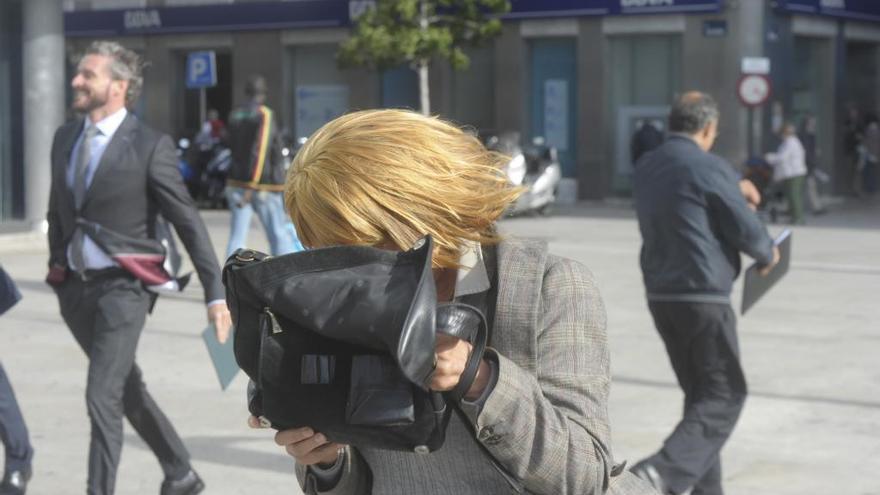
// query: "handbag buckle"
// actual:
[[245, 256]]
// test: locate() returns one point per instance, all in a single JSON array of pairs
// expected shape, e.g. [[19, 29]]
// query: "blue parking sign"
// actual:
[[201, 70]]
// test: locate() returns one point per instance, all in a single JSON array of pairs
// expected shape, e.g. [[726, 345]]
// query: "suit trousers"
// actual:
[[13, 432], [702, 345], [106, 316]]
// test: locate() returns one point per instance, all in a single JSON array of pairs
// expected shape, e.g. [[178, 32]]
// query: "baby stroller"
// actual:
[[760, 173]]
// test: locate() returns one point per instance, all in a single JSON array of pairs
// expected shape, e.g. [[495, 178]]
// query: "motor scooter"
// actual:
[[535, 167]]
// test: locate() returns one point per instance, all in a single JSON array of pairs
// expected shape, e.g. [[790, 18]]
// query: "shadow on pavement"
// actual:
[[764, 395], [223, 450]]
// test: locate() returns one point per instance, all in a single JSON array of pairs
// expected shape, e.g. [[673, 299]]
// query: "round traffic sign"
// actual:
[[753, 89]]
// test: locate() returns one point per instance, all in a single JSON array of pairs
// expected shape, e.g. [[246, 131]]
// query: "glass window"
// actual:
[[319, 91], [644, 75]]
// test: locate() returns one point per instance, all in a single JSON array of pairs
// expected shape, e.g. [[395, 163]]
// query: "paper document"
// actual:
[[222, 356], [755, 285]]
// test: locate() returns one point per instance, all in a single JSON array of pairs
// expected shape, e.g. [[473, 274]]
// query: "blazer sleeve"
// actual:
[[57, 254], [549, 430], [354, 479], [167, 189]]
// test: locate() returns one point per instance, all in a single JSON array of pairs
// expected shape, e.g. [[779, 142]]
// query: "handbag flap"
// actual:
[[378, 299]]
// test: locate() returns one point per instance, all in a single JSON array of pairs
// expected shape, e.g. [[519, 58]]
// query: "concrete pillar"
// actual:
[[43, 78], [594, 167], [750, 21], [511, 68]]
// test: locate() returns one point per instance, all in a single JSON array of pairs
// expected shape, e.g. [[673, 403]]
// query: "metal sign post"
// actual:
[[753, 90], [201, 73]]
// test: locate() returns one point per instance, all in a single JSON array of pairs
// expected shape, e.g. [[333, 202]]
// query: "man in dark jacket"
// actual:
[[256, 174], [694, 222]]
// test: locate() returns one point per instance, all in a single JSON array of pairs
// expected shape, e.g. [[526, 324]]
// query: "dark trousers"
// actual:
[[106, 316], [702, 346], [13, 432]]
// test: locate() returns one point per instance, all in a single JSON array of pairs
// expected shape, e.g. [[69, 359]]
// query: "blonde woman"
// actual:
[[536, 417]]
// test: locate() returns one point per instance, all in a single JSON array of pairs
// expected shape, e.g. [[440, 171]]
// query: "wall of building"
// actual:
[[696, 61]]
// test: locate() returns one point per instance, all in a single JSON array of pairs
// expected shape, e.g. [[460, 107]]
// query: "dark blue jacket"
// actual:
[[694, 223]]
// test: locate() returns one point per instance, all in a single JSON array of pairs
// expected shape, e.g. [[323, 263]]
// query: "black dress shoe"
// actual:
[[15, 482], [648, 473], [190, 484]]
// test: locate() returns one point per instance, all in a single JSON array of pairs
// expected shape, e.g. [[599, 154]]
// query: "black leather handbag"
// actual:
[[341, 340]]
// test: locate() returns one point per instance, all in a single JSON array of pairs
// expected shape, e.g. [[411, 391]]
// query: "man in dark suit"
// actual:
[[111, 170], [695, 220]]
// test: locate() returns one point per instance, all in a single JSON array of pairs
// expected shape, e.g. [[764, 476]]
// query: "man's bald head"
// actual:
[[692, 112], [695, 114]]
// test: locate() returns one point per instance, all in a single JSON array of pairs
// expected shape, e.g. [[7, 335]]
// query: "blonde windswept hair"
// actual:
[[388, 177]]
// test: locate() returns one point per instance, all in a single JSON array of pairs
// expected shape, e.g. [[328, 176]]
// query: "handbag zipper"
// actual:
[[276, 327]]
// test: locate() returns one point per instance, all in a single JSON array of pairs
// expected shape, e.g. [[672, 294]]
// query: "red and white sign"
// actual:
[[753, 89]]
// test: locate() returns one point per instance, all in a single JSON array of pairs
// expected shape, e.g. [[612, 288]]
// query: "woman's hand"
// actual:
[[452, 356], [304, 445]]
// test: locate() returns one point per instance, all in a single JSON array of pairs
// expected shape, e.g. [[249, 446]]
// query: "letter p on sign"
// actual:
[[201, 70]]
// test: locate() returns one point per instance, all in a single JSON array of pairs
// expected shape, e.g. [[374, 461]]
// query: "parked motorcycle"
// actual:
[[204, 172], [536, 167], [188, 170]]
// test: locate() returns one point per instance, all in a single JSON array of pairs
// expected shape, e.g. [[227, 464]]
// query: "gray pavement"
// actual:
[[810, 352]]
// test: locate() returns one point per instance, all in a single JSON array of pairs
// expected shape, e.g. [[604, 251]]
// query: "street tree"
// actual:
[[393, 32]]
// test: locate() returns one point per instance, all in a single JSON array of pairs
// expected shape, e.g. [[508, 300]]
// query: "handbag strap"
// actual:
[[477, 336]]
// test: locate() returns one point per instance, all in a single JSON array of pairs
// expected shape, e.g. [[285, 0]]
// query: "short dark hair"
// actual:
[[691, 112], [255, 86], [125, 65]]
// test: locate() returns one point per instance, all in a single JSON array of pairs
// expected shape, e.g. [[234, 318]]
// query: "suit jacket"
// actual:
[[546, 420], [136, 179]]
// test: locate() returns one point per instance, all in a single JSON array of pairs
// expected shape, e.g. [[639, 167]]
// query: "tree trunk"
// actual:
[[424, 90]]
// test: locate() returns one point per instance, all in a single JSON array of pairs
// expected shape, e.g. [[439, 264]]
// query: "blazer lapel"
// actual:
[[113, 153], [62, 163]]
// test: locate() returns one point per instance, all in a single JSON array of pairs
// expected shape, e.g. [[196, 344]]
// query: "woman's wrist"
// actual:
[[481, 381], [331, 463]]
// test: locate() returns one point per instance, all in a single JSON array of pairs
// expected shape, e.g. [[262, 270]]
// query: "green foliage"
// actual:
[[394, 32]]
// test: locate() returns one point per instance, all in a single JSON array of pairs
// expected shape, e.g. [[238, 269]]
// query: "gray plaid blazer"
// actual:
[[545, 423]]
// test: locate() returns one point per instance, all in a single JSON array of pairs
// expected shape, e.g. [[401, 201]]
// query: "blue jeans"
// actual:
[[270, 210]]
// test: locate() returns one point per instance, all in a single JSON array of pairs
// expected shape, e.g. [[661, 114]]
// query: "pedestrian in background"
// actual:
[[256, 174], [871, 143], [17, 447], [694, 223], [647, 138], [853, 148], [807, 136], [789, 170], [111, 170]]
